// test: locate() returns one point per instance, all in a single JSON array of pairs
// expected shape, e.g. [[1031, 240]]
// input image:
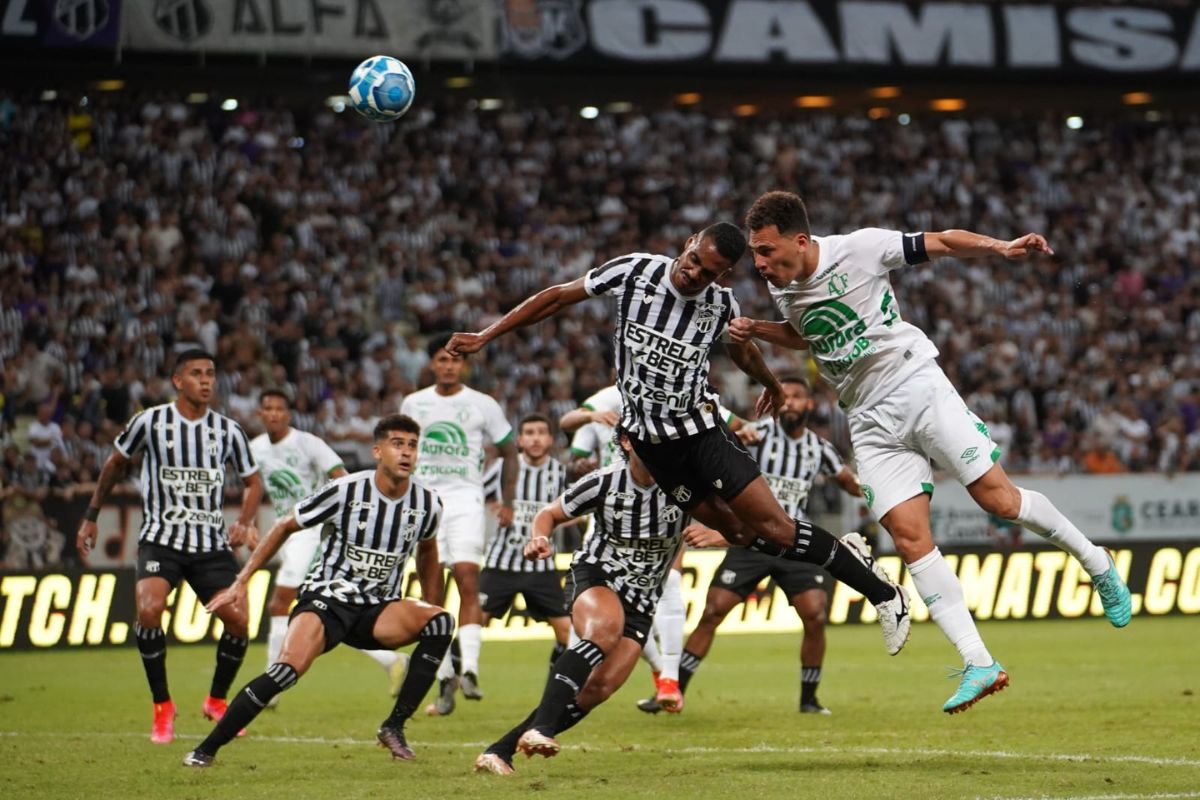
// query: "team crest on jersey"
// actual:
[[153, 566], [707, 316], [320, 605], [671, 514], [728, 576], [681, 493]]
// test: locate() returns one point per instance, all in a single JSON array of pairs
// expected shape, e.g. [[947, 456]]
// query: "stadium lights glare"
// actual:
[[589, 112], [813, 101], [198, 97], [619, 107], [879, 112], [458, 82], [48, 95], [948, 104], [1074, 122], [687, 98], [490, 104], [1136, 98], [229, 104], [904, 119], [110, 85], [745, 110], [885, 92], [337, 102]]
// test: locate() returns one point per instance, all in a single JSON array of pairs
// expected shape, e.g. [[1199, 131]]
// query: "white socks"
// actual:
[[384, 658], [275, 638], [1039, 515], [651, 655], [469, 640], [446, 668], [668, 624], [943, 594]]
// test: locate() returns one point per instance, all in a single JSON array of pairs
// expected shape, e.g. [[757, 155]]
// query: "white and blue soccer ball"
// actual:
[[382, 88]]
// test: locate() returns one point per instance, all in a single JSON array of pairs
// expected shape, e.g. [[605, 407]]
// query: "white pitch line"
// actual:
[[751, 750], [1156, 796]]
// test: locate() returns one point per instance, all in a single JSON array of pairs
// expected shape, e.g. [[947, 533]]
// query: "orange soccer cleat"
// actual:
[[163, 730]]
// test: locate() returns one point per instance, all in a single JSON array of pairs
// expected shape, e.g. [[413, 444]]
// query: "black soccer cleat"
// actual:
[[393, 739], [650, 705], [198, 758], [814, 708]]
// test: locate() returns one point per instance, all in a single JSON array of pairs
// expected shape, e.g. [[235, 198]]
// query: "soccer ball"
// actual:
[[382, 88]]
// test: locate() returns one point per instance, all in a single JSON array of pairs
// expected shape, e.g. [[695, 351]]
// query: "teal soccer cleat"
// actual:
[[1114, 595], [976, 684]]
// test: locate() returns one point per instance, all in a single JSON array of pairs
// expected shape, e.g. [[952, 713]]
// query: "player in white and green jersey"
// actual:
[[294, 464], [837, 301], [456, 422]]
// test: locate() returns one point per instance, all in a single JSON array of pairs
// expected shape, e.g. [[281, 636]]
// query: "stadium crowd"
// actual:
[[315, 251]]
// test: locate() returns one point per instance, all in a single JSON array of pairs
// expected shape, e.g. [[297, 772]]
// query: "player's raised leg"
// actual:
[[997, 494]]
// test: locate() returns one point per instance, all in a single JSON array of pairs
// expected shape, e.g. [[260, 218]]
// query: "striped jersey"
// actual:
[[636, 532], [790, 465], [536, 488], [663, 340], [493, 481], [366, 537], [183, 475]]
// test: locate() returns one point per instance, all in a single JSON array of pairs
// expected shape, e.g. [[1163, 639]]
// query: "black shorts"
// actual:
[[206, 573], [692, 468], [543, 592], [344, 622], [582, 577], [743, 570]]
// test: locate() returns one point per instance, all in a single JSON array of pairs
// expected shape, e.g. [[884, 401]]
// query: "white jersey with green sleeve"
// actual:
[[596, 438], [294, 467], [848, 313], [454, 430]]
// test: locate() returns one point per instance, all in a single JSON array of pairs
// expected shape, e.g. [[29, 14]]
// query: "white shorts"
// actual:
[[921, 419], [297, 556], [460, 536]]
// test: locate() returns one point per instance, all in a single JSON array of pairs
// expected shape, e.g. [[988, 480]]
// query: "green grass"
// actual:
[[1091, 712]]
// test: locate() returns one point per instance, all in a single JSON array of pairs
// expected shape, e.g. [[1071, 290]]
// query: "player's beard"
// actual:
[[792, 421]]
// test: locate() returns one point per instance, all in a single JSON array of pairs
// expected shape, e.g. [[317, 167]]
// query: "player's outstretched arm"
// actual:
[[429, 572], [111, 473], [749, 360], [236, 591], [848, 482], [546, 303], [544, 523], [744, 329], [965, 244], [576, 418], [697, 535]]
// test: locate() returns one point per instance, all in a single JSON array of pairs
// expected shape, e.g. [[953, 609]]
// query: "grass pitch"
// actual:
[[1092, 712]]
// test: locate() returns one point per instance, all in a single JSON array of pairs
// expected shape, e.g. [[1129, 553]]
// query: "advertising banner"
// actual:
[[61, 23], [80, 609], [433, 29]]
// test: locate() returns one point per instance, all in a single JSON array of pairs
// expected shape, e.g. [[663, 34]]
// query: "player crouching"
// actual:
[[372, 522], [614, 585]]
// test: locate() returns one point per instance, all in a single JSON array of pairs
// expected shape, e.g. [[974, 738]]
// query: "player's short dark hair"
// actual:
[[729, 239], [282, 395], [795, 378], [533, 417], [436, 342], [618, 432], [191, 354], [396, 422], [784, 210]]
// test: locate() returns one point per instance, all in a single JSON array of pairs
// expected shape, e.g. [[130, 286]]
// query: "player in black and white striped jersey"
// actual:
[[669, 316], [614, 585], [372, 521], [791, 456], [186, 447], [506, 571]]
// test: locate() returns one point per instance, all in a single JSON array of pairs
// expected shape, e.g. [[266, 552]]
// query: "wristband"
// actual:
[[91, 514]]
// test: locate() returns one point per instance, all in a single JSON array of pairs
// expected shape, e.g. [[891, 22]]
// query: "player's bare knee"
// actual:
[[712, 617], [1004, 503], [813, 620], [236, 624]]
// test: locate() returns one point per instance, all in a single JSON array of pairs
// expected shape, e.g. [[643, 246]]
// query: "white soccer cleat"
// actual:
[[894, 616], [535, 743], [495, 764]]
